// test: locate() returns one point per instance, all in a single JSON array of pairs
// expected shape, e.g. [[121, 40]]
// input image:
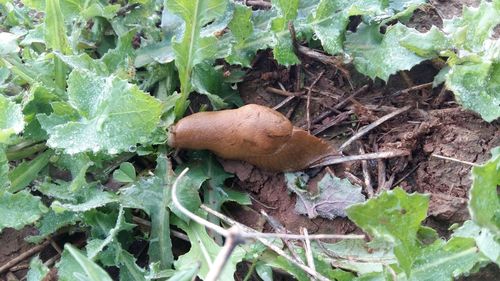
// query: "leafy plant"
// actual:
[[89, 88]]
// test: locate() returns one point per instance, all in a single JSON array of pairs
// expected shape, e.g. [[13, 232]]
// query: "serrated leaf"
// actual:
[[57, 189], [55, 31], [122, 57], [114, 115], [76, 266], [78, 165], [110, 235], [476, 85], [8, 43], [333, 197], [51, 222], [359, 256], [11, 119], [284, 50], [37, 271], [126, 173], [446, 262], [204, 251], [484, 201], [249, 33], [129, 270], [194, 47], [428, 44], [90, 197], [329, 23], [394, 216], [153, 196], [210, 82], [484, 237], [474, 26], [377, 55], [19, 209]]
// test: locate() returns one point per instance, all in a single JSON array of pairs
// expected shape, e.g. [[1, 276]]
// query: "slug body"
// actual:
[[256, 134]]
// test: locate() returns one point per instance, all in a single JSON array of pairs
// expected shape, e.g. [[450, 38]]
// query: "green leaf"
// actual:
[[378, 55], [11, 119], [78, 165], [129, 270], [51, 222], [123, 56], [37, 271], [484, 237], [476, 86], [329, 23], [188, 192], [114, 115], [446, 262], [284, 50], [331, 200], [91, 197], [474, 26], [210, 82], [204, 251], [126, 173], [19, 209], [55, 31], [76, 266], [484, 202], [359, 256], [110, 235], [395, 217], [4, 170], [195, 46], [26, 172], [249, 33], [8, 43], [153, 196], [428, 44]]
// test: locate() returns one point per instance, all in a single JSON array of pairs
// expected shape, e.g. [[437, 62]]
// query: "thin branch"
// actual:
[[454, 160], [366, 175], [337, 159], [325, 59], [268, 244], [307, 246], [308, 102], [147, 224], [191, 215], [23, 256], [368, 128], [232, 240], [413, 88], [283, 102]]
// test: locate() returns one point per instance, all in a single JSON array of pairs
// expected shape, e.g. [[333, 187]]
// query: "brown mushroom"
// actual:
[[256, 134]]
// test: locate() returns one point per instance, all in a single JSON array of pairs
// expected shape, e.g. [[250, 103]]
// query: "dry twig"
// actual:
[[308, 103], [373, 125], [23, 256], [337, 159]]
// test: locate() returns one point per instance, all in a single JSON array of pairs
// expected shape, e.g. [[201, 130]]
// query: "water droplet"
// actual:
[[132, 148]]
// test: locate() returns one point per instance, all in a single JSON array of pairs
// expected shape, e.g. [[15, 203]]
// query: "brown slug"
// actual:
[[253, 133]]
